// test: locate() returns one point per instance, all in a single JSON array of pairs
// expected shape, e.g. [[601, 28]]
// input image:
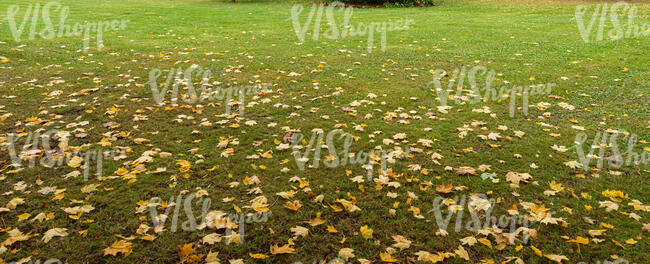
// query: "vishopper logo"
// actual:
[[207, 219], [478, 92], [606, 15], [617, 261], [611, 139], [323, 261], [344, 29], [34, 12], [29, 260], [177, 77], [480, 217], [334, 159], [55, 152]]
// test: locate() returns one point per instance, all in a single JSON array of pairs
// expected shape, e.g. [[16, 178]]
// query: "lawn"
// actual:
[[212, 180]]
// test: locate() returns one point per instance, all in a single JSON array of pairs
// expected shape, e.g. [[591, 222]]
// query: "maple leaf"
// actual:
[[299, 231], [24, 216], [516, 177], [465, 170], [212, 258], [211, 239], [461, 252], [16, 235], [536, 250], [346, 253], [366, 232], [119, 246], [234, 237], [386, 257], [470, 240], [631, 241], [285, 249], [444, 188], [260, 206], [579, 240], [186, 254], [401, 242], [258, 256], [556, 186], [428, 257], [294, 206], [15, 202], [316, 221], [54, 232], [610, 206], [556, 258], [486, 242], [148, 237]]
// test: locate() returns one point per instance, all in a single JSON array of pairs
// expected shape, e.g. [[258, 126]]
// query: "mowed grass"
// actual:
[[528, 42]]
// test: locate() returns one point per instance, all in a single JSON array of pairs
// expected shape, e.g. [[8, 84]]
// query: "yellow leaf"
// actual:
[[537, 251], [316, 221], [119, 246], [24, 216], [299, 231], [556, 258], [237, 208], [186, 254], [211, 238], [580, 240], [461, 252], [630, 241], [295, 205], [212, 258], [366, 232], [286, 249], [54, 232], [486, 242], [148, 237], [258, 256], [444, 188], [401, 242], [470, 240], [346, 253], [519, 247], [385, 257], [556, 186]]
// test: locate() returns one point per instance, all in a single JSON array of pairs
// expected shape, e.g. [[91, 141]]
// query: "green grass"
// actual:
[[220, 35]]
